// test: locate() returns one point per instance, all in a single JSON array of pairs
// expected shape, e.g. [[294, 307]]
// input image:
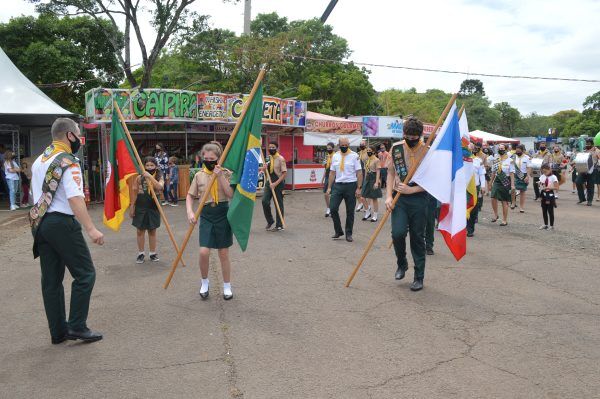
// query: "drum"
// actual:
[[584, 162], [536, 167]]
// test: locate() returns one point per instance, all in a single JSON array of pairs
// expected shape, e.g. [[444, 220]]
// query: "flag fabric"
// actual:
[[120, 166], [243, 160], [442, 174], [468, 160]]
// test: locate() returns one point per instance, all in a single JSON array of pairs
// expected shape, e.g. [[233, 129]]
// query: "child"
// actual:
[[371, 189], [173, 179], [11, 173], [548, 183], [144, 212], [215, 231], [25, 181]]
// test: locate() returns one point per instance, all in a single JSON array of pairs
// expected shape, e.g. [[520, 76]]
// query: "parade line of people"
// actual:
[[60, 216]]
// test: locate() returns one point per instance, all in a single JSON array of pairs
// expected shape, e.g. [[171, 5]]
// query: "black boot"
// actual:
[[400, 273], [86, 335], [417, 285]]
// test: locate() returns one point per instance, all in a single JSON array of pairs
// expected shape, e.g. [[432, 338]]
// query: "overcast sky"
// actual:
[[511, 37]]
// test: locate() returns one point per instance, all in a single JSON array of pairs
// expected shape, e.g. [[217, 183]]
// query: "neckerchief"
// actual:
[[214, 189], [272, 162], [369, 160], [328, 161], [55, 148], [145, 187], [343, 155]]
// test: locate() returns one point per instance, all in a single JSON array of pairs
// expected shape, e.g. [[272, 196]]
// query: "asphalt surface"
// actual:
[[518, 317]]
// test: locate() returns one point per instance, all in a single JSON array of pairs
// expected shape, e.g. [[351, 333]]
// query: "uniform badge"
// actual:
[[57, 173], [53, 185]]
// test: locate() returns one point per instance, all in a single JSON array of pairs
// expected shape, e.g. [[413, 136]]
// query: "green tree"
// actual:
[[561, 118], [479, 113], [509, 118], [534, 125], [51, 50], [470, 87]]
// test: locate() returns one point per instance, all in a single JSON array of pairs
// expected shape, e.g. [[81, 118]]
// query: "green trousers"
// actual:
[[432, 214], [409, 216], [266, 201], [60, 243], [347, 193]]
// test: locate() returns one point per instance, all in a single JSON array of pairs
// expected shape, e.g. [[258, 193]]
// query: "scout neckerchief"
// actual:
[[343, 155], [145, 187], [52, 179], [369, 160], [500, 172], [518, 170], [328, 161], [272, 162], [214, 189]]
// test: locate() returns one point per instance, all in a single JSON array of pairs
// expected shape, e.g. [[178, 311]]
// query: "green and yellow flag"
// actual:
[[243, 159]]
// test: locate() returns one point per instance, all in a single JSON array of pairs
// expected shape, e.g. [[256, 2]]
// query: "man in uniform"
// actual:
[[585, 181], [480, 182], [544, 154], [58, 240], [277, 170], [346, 172], [409, 214], [558, 165]]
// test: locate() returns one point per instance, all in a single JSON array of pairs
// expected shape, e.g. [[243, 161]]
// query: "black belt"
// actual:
[[59, 214], [349, 182]]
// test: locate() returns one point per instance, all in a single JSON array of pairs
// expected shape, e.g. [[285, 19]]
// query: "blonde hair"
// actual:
[[214, 147]]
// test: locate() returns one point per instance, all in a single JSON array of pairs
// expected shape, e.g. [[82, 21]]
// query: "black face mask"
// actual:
[[151, 170], [519, 153], [413, 142], [329, 151], [272, 151], [75, 145], [343, 148], [210, 165], [588, 147], [362, 146], [369, 153], [557, 150], [501, 152], [542, 149]]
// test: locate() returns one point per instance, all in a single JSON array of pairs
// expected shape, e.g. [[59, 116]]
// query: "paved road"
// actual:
[[519, 317]]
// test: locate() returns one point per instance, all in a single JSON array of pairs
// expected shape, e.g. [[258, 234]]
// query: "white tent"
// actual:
[[479, 136], [21, 102]]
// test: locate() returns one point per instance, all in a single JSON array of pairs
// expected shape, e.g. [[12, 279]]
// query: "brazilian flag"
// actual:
[[243, 159]]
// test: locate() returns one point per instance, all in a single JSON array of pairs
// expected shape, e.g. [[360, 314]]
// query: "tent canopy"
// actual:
[[21, 102], [479, 136]]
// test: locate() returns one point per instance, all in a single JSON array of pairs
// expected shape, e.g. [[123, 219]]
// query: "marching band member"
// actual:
[[503, 181], [557, 165], [586, 181]]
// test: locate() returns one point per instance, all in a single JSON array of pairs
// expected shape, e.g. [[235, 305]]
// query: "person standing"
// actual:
[[12, 172], [522, 170], [173, 181], [481, 158], [277, 169], [325, 181], [25, 183], [143, 211], [371, 188], [545, 155], [480, 182], [57, 234], [503, 181], [585, 181], [162, 160], [346, 173], [409, 213], [215, 230], [548, 186], [384, 157], [557, 166], [363, 156], [433, 209]]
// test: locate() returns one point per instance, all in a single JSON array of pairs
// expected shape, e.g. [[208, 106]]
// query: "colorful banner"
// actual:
[[271, 110], [293, 112], [382, 126], [212, 106], [336, 126]]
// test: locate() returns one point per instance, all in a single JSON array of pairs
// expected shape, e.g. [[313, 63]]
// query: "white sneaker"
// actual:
[[163, 203], [14, 207], [359, 207], [544, 227], [551, 228], [174, 204]]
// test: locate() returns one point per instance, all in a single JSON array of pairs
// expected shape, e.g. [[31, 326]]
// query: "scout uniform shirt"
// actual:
[[479, 172], [507, 165], [410, 155], [199, 185], [279, 165], [546, 156], [70, 186], [350, 166], [522, 163]]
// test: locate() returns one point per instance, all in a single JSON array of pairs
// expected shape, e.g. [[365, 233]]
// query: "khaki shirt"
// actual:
[[410, 155], [362, 154], [546, 156], [200, 184], [279, 165], [141, 183], [373, 164]]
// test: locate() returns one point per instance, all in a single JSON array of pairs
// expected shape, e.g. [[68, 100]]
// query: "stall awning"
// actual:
[[479, 136], [21, 102], [322, 129]]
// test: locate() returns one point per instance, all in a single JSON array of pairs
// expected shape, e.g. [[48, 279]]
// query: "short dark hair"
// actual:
[[545, 166], [330, 144], [413, 127], [274, 143], [62, 126], [521, 147]]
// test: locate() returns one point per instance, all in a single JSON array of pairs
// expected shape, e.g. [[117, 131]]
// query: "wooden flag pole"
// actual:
[[411, 172], [274, 196], [204, 197], [139, 161]]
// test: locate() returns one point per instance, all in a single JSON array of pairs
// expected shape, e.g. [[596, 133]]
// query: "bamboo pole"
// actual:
[[151, 188], [204, 197], [411, 172], [274, 196]]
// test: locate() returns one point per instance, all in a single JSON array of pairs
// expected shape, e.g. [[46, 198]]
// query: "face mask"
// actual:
[[413, 142], [381, 150], [210, 165], [476, 150], [75, 145], [501, 152], [519, 153], [542, 149], [557, 150], [588, 147], [362, 146], [151, 170], [272, 151], [369, 153], [343, 148], [329, 151]]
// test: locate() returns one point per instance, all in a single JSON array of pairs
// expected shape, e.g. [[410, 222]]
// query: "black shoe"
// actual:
[[59, 340], [417, 285], [469, 234], [400, 273], [269, 225], [337, 235], [349, 238], [580, 202], [204, 295], [429, 251], [589, 204], [140, 258], [227, 297], [154, 258], [86, 335]]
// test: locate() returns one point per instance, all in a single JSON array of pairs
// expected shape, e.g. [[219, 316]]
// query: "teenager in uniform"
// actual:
[[346, 173], [144, 212], [409, 214], [57, 185], [548, 186], [544, 154], [503, 181], [362, 155], [522, 165], [557, 166], [384, 157], [481, 157], [277, 170], [325, 181], [480, 182], [585, 181], [371, 188], [215, 231]]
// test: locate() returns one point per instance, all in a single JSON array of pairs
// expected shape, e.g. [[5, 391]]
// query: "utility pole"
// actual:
[[247, 16], [328, 10]]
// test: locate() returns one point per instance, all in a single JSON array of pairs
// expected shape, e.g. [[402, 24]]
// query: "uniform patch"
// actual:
[[53, 185], [57, 173], [77, 180]]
